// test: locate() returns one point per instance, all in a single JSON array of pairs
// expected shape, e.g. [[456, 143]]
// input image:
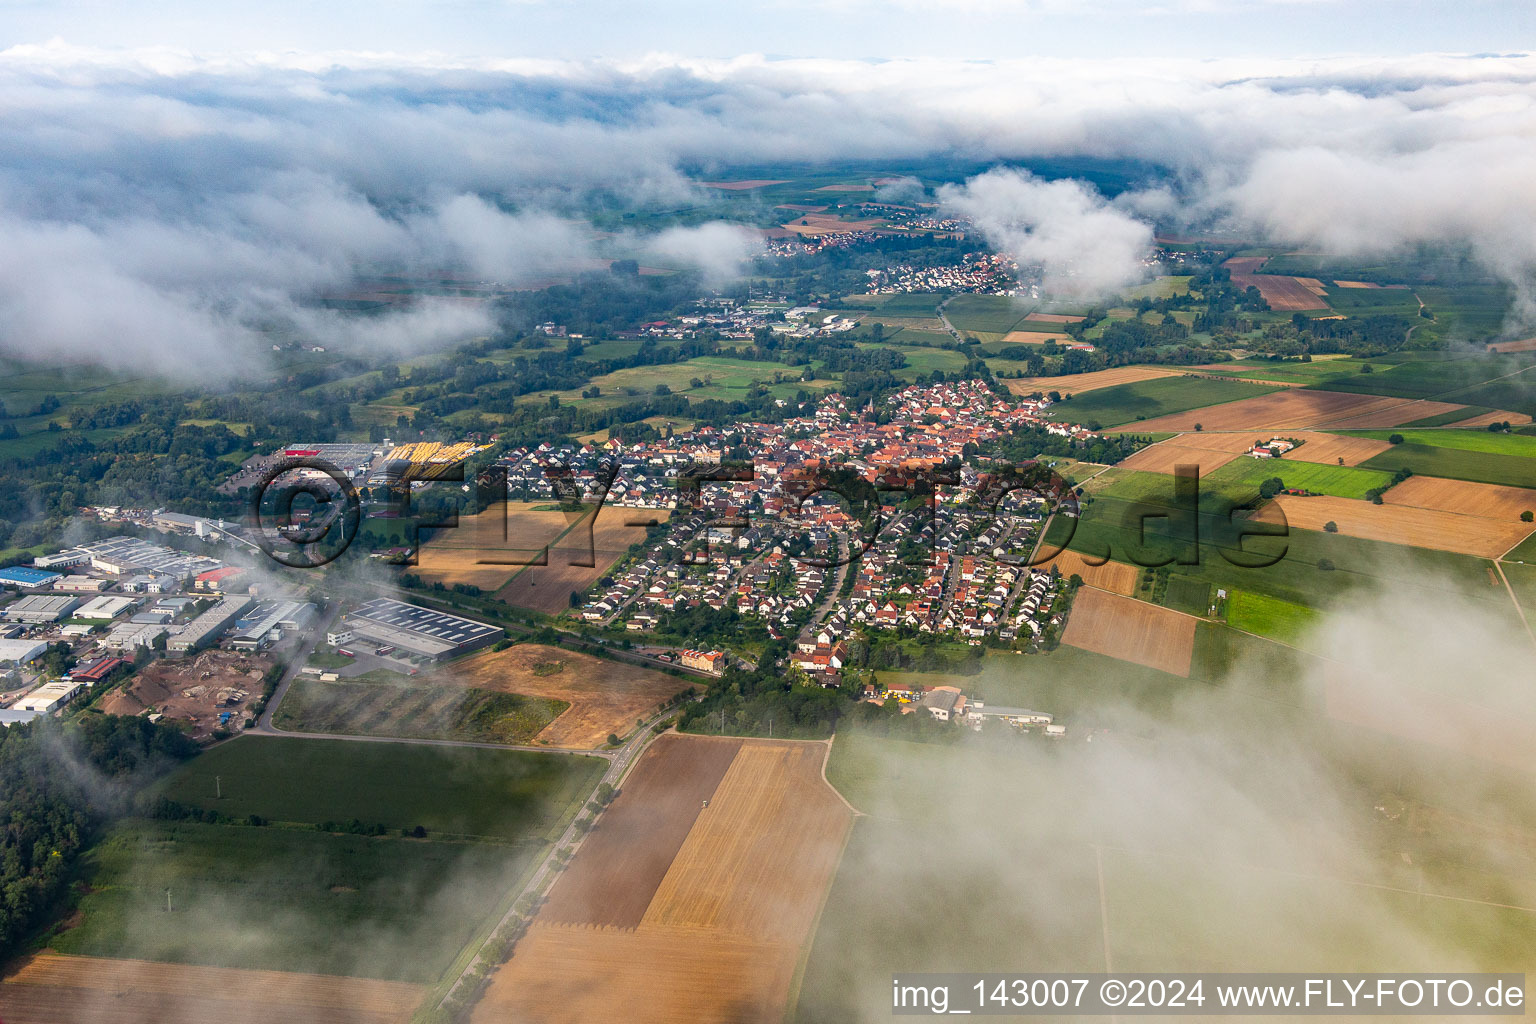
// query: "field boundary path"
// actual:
[[620, 762]]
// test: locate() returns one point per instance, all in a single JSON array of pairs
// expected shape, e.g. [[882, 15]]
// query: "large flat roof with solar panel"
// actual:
[[422, 631]]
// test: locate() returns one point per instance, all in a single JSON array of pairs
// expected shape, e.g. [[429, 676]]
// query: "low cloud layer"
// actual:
[[162, 211], [1087, 248]]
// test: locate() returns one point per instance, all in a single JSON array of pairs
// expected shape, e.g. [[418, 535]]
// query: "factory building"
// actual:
[[40, 608], [104, 607], [428, 634], [268, 621], [19, 652], [209, 626], [23, 578]]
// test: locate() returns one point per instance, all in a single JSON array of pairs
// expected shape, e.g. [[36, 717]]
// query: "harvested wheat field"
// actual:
[[1035, 337], [1131, 630], [1054, 318], [1488, 501], [1164, 456], [1523, 345], [582, 556], [723, 931], [1079, 383], [1496, 416], [487, 548], [49, 989], [827, 224], [612, 880], [1116, 577], [1330, 448], [1298, 407], [1403, 524], [604, 696]]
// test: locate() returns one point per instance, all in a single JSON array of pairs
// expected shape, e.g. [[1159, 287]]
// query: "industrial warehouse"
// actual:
[[422, 632]]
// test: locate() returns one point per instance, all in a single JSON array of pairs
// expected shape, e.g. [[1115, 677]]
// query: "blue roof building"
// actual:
[[22, 576]]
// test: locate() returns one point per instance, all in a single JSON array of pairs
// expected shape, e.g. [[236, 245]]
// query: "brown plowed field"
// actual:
[[1392, 415], [727, 925], [1162, 458], [1284, 294], [1034, 337], [1497, 416], [49, 989], [612, 880], [1079, 383], [827, 224], [1131, 630], [548, 588], [1405, 524], [510, 534], [1487, 501], [604, 696], [1112, 576], [1297, 407]]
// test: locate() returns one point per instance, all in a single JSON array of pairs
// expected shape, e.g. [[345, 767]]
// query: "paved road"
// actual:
[[300, 655]]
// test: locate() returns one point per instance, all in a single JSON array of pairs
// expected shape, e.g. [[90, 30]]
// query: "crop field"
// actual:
[[1296, 407], [1164, 457], [49, 989], [1053, 318], [1284, 294], [286, 899], [602, 539], [511, 533], [391, 704], [1492, 381], [996, 314], [1151, 399], [1404, 524], [1457, 464], [501, 795], [1081, 383], [1290, 372], [1523, 345], [1514, 419], [1034, 337], [1471, 499], [826, 224], [1186, 889], [620, 867], [1464, 440], [1338, 481], [603, 696], [1268, 616], [1131, 630], [715, 935], [1115, 577]]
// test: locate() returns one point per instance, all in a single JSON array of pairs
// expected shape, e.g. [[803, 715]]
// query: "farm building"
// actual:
[[41, 608], [23, 578], [945, 703], [979, 711], [420, 631]]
